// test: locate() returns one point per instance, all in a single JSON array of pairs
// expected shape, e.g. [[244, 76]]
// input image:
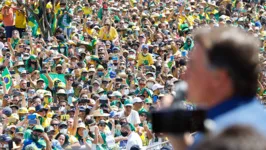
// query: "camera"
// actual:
[[177, 119]]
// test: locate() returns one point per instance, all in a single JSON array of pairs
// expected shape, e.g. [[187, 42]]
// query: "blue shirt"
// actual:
[[226, 106], [40, 144], [236, 111]]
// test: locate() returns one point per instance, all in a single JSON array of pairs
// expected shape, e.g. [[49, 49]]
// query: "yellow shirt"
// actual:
[[73, 139], [144, 60], [20, 21], [87, 11], [57, 7], [104, 35], [91, 32], [190, 19], [1, 59], [46, 122]]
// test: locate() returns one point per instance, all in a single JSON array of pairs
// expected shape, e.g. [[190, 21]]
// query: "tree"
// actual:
[[45, 17]]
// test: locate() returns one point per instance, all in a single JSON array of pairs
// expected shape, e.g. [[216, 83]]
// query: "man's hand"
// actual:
[[145, 127], [22, 94], [97, 104], [45, 136], [77, 109], [112, 121]]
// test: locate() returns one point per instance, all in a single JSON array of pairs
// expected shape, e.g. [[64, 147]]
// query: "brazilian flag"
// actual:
[[6, 76]]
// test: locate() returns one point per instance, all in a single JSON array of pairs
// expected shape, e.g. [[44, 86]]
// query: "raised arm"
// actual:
[[51, 83], [76, 119]]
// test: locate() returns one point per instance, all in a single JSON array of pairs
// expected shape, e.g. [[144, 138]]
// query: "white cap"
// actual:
[[23, 71], [116, 93], [157, 86], [137, 100]]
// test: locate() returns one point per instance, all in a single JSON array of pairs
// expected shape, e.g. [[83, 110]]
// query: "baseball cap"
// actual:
[[113, 114], [157, 86], [31, 109], [115, 48], [128, 103], [97, 82], [7, 111], [40, 79], [38, 128], [116, 93], [63, 124], [137, 100], [148, 101], [22, 110], [81, 125], [5, 138], [20, 130], [49, 129], [145, 47]]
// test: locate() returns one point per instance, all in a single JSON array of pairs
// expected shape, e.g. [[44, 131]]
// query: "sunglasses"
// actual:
[[63, 127], [54, 124]]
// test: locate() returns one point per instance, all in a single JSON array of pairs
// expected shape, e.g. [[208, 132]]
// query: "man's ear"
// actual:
[[221, 76]]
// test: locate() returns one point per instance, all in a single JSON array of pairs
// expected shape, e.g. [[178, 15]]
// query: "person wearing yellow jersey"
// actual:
[[42, 116], [107, 32], [88, 28], [187, 16], [145, 58], [73, 122], [20, 21], [202, 14], [87, 10]]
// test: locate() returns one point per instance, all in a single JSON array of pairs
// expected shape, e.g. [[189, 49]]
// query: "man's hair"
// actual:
[[235, 51], [35, 97], [126, 126], [234, 138], [55, 119]]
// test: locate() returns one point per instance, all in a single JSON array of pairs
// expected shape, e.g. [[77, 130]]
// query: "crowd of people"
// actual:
[[104, 66]]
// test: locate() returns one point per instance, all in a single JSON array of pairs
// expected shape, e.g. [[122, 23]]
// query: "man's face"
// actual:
[[62, 104], [40, 85], [138, 105], [128, 109], [55, 124], [23, 85], [142, 117], [15, 99], [51, 134], [145, 51], [37, 102], [198, 76], [36, 135], [70, 122], [59, 70]]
